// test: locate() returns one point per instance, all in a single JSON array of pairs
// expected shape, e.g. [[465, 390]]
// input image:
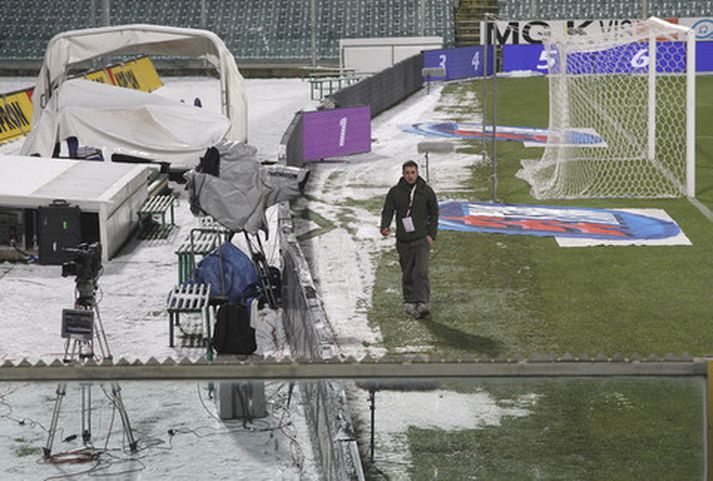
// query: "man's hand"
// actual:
[[430, 240], [385, 231]]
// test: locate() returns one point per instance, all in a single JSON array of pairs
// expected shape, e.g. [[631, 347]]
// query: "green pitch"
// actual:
[[513, 296], [497, 295]]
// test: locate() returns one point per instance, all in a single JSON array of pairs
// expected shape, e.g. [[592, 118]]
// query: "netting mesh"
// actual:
[[607, 139]]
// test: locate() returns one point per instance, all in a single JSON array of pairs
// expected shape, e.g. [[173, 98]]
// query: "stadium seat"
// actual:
[[581, 9], [250, 28]]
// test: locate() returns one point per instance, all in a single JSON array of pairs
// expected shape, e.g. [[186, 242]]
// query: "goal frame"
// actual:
[[690, 184], [586, 103]]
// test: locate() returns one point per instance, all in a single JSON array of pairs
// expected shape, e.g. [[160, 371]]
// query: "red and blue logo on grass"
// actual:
[[553, 221], [529, 135]]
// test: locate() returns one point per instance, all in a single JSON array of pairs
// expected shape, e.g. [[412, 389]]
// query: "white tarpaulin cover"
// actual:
[[68, 49], [125, 121]]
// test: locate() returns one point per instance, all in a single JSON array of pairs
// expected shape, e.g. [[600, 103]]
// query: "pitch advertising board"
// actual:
[[331, 133], [529, 32], [522, 42], [16, 107], [629, 58], [15, 114], [462, 62]]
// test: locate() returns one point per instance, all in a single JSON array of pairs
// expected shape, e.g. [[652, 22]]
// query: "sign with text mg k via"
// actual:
[[332, 133]]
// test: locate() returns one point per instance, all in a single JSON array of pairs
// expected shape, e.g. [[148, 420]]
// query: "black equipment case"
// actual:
[[58, 227]]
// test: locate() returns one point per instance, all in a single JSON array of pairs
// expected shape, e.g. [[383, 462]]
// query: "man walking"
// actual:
[[416, 208]]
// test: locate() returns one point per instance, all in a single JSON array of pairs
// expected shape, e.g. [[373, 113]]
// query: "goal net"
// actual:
[[622, 107]]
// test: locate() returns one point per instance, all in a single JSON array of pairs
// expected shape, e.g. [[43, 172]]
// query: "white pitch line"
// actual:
[[704, 210]]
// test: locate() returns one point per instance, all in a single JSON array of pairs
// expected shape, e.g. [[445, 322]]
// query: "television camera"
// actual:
[[86, 266]]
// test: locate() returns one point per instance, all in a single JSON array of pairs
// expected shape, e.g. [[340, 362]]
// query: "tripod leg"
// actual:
[[101, 336], [61, 390], [372, 407], [86, 413], [263, 270], [119, 403], [69, 356], [271, 297]]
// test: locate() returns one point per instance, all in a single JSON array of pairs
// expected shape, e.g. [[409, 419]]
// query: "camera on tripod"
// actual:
[[81, 324], [86, 262]]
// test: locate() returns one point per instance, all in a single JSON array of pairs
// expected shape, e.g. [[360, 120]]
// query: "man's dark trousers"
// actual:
[[414, 258]]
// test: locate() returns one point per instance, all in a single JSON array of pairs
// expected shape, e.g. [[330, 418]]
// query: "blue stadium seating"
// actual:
[[252, 29], [26, 27], [582, 9], [280, 29]]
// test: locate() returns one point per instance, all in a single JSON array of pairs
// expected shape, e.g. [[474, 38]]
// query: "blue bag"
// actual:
[[239, 274]]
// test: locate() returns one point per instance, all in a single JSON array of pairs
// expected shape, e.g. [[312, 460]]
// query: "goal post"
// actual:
[[622, 114]]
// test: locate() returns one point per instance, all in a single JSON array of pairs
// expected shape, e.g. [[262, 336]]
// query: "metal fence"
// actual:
[[385, 89], [310, 338], [309, 335], [292, 143], [381, 92]]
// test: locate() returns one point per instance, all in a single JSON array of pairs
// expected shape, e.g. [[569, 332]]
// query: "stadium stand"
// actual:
[[280, 29], [26, 27], [252, 29], [582, 9]]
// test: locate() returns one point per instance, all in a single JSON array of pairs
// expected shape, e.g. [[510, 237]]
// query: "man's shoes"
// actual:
[[410, 308], [422, 310]]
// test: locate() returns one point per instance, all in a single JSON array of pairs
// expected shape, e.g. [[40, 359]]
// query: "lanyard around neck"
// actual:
[[410, 202]]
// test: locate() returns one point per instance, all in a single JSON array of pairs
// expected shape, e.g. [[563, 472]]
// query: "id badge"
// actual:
[[408, 224]]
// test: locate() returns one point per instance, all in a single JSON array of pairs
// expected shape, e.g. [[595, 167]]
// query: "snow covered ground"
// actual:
[[397, 411], [135, 283], [134, 286], [175, 424]]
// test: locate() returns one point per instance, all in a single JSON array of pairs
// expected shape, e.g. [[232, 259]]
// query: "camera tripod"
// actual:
[[82, 349]]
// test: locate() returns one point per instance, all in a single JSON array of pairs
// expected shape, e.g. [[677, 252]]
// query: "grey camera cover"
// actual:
[[238, 198]]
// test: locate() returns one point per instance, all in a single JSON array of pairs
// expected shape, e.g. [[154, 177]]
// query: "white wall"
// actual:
[[371, 55]]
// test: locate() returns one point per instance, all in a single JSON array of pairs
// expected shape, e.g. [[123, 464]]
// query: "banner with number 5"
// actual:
[[331, 133], [629, 58]]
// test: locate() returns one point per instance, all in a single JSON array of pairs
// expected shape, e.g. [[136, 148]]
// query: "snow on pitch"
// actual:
[[134, 287]]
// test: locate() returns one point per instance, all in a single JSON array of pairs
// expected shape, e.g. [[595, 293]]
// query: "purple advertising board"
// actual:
[[532, 57], [330, 133], [461, 62]]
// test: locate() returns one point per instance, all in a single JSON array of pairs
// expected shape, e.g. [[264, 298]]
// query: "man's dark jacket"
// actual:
[[424, 210]]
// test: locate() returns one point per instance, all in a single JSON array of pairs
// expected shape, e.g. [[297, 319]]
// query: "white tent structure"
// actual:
[[125, 121], [71, 48]]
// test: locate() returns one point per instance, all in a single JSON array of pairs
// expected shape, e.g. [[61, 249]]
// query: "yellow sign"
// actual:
[[138, 74], [147, 74], [15, 114], [16, 107], [98, 76]]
